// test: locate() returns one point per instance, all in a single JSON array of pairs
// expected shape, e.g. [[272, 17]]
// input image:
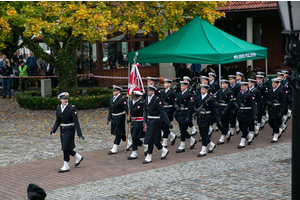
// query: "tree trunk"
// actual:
[[66, 67]]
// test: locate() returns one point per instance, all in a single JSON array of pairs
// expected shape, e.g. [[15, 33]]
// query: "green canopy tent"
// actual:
[[199, 42]]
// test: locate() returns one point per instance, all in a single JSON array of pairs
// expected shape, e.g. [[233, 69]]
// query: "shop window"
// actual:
[[88, 52], [115, 55]]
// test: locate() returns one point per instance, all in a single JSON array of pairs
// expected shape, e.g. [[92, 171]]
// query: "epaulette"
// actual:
[[141, 101], [73, 106], [157, 97]]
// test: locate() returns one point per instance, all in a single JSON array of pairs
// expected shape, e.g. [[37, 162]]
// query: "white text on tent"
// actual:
[[245, 55]]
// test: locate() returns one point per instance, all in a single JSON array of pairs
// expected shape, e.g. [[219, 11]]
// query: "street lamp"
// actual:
[[289, 12], [91, 81]]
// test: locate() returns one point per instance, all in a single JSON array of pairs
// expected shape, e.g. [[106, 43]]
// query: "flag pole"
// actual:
[[129, 96]]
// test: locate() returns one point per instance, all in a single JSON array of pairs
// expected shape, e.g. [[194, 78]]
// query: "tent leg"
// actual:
[[220, 75], [266, 63]]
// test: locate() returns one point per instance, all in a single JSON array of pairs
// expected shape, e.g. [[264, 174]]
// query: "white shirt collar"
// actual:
[[62, 108], [211, 82], [184, 91], [251, 88], [133, 102], [116, 96], [203, 95], [276, 88], [149, 98], [166, 90]]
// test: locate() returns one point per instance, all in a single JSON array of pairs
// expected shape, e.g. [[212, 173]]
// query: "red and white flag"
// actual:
[[135, 82]]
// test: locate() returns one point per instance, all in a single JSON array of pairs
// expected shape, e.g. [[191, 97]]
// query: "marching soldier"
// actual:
[[289, 89], [136, 118], [168, 99], [193, 92], [206, 111], [276, 101], [204, 80], [117, 109], [150, 81], [213, 84], [66, 118], [246, 113], [225, 101], [154, 111], [184, 105], [264, 88], [259, 103], [235, 87]]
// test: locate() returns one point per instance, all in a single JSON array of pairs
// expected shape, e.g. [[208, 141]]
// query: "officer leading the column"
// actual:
[[66, 118]]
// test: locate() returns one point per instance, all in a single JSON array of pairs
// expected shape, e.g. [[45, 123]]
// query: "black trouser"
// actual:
[[150, 147], [183, 131], [244, 125], [251, 125], [275, 124], [233, 120], [119, 138], [165, 129], [259, 116], [191, 124], [67, 154], [225, 123], [204, 134], [136, 143]]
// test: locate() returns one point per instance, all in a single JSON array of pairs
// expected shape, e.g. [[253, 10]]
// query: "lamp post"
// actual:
[[289, 12], [91, 81]]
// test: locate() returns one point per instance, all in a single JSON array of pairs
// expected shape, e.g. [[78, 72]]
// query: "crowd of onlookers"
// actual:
[[18, 66]]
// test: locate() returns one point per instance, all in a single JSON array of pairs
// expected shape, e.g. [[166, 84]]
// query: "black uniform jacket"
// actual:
[[116, 115], [277, 100], [247, 106], [185, 102], [168, 100], [264, 89], [154, 109], [258, 98], [214, 87], [225, 101], [136, 112], [206, 118], [67, 133]]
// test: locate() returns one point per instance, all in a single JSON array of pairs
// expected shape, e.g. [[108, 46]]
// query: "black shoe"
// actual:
[[237, 132], [131, 158], [209, 135], [200, 140], [193, 146], [173, 141], [146, 162], [3, 97], [219, 143], [229, 138], [76, 164], [63, 171], [201, 155], [240, 147], [192, 134], [111, 153], [164, 156], [179, 136], [180, 150], [210, 151], [145, 153], [129, 148], [273, 141]]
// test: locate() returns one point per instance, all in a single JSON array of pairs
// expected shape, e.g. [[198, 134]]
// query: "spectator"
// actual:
[[3, 59], [6, 82], [205, 72], [49, 71], [233, 70], [34, 192], [15, 81], [23, 72], [184, 71], [40, 63], [17, 56], [250, 73], [31, 64]]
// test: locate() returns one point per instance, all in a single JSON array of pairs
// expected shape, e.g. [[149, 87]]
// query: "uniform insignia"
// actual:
[[191, 98], [286, 92], [124, 102], [138, 106], [159, 102], [210, 93], [157, 97], [253, 98], [266, 88], [194, 91], [158, 91], [231, 96], [75, 113], [175, 99], [73, 106]]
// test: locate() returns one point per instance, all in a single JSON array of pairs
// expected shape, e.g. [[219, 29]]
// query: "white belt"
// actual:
[[223, 104], [117, 114], [153, 117], [245, 108], [184, 108], [276, 104], [207, 112], [70, 124], [169, 106]]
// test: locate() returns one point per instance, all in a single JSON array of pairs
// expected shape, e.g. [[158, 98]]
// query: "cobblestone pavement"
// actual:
[[253, 174]]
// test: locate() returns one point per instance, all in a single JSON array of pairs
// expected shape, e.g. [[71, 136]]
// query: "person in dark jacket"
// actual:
[[6, 82], [35, 192], [66, 118], [246, 113], [136, 118], [117, 109], [206, 110], [184, 71], [31, 64], [154, 113]]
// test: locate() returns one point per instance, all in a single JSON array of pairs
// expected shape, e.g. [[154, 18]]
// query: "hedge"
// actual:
[[33, 100]]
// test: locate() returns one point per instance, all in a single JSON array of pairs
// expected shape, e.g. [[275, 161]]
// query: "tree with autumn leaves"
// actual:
[[70, 22]]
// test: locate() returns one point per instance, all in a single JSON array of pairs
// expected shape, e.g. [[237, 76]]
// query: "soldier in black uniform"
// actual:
[[204, 80], [66, 118], [136, 119], [150, 81], [214, 87], [286, 89], [206, 110], [289, 89], [263, 88], [168, 99], [246, 113], [225, 100], [117, 109], [253, 128], [235, 87], [191, 90], [276, 102], [184, 105], [264, 83], [154, 111]]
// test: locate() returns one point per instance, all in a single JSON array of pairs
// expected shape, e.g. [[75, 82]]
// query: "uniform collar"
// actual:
[[203, 95], [276, 88], [184, 91], [133, 102], [166, 90]]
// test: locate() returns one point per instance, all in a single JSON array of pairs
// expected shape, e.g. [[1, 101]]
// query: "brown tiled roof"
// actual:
[[248, 5]]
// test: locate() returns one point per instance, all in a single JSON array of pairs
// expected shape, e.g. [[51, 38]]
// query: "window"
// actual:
[[257, 32], [115, 55], [87, 52]]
